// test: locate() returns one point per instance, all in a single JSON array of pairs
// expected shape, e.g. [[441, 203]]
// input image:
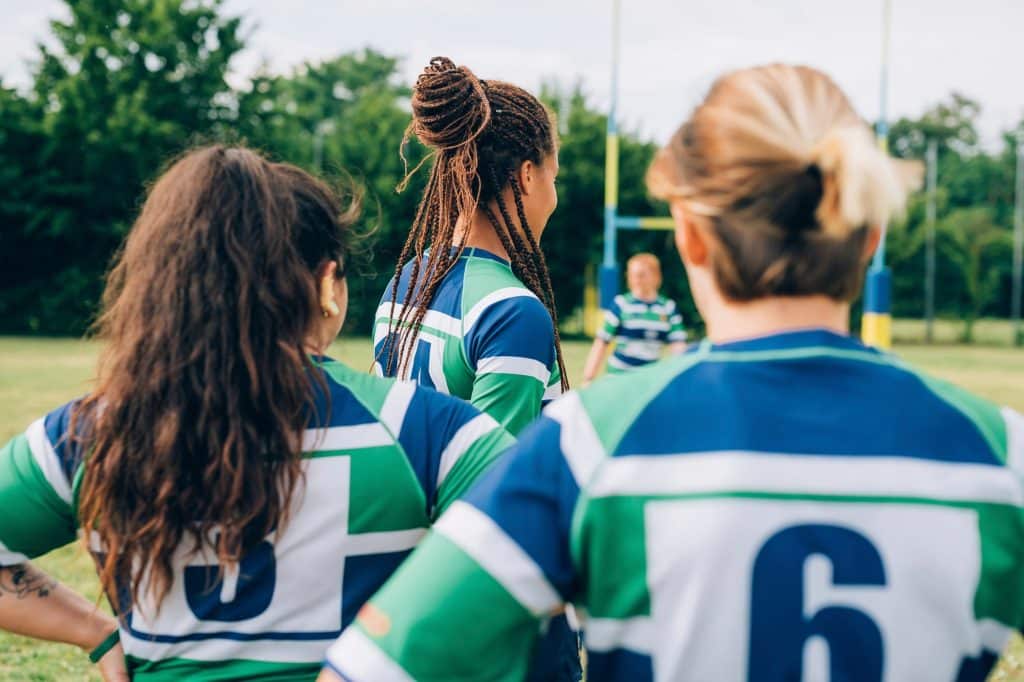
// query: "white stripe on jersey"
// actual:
[[994, 635], [470, 318], [9, 558], [732, 471], [47, 460], [583, 450], [649, 325], [510, 364], [552, 392], [1014, 440], [383, 542], [219, 650], [346, 437], [432, 318], [485, 542], [359, 658], [463, 439], [605, 634], [396, 404]]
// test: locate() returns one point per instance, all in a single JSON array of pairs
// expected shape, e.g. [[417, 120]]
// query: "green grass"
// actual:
[[36, 374]]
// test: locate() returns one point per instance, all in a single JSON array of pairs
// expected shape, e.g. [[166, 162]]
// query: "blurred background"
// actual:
[[95, 95]]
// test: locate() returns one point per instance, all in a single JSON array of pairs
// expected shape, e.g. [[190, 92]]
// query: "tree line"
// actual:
[[127, 84]]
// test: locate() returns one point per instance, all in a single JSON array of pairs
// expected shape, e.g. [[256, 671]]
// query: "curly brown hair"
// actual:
[[205, 383]]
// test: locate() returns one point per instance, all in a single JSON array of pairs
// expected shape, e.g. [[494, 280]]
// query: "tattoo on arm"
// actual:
[[24, 580]]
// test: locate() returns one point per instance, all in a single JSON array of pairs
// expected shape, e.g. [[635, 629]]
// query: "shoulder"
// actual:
[[594, 419], [51, 447], [501, 305], [1001, 428]]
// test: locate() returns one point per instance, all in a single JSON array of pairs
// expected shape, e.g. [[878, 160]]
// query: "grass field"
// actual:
[[38, 374]]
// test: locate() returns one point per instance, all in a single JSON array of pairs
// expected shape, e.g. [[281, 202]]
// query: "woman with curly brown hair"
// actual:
[[242, 493]]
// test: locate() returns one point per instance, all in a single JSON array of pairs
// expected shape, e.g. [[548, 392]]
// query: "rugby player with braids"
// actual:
[[470, 310]]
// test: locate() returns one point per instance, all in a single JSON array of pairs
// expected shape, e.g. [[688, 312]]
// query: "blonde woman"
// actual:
[[781, 503]]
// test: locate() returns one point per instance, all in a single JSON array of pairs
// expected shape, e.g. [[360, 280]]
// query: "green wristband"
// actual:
[[105, 646]]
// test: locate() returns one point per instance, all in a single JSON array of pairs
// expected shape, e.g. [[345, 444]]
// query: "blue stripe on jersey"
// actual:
[[833, 407], [641, 334], [977, 669], [535, 471], [342, 409], [619, 664], [447, 297], [430, 422], [58, 429], [630, 360], [364, 575], [518, 327]]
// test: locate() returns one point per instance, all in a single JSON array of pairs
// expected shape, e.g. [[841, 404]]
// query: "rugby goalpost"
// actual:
[[876, 321]]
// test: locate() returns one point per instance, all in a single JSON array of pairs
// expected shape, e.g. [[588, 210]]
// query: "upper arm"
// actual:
[[496, 563], [449, 443], [610, 323], [510, 348], [36, 473]]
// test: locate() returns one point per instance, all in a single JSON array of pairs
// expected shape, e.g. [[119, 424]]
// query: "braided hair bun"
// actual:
[[449, 105]]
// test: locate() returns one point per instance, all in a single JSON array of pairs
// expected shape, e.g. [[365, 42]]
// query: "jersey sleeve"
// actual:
[[493, 567], [510, 347], [676, 332], [36, 473], [449, 443], [610, 325]]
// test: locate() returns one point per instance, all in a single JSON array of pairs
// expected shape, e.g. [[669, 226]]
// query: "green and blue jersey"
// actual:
[[384, 459], [796, 506], [485, 338], [640, 330]]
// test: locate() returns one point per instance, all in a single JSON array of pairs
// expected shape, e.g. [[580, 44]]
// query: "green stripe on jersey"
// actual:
[[482, 599], [176, 669], [26, 494]]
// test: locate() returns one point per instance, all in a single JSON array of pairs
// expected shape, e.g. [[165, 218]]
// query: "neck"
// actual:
[[479, 234], [729, 321]]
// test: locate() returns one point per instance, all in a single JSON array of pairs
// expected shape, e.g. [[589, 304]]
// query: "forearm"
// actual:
[[35, 605], [594, 360]]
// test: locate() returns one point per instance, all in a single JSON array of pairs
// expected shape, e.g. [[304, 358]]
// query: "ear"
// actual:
[[526, 175], [871, 243], [690, 241], [326, 274]]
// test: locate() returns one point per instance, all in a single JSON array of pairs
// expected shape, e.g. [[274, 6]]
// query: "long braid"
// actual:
[[481, 132]]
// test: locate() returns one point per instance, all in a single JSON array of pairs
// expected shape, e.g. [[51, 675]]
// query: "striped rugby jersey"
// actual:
[[391, 455], [791, 507], [640, 330], [485, 338]]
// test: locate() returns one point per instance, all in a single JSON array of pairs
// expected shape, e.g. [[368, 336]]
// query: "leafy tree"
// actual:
[[129, 83], [980, 248]]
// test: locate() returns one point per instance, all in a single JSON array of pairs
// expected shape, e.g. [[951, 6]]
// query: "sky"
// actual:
[[671, 50]]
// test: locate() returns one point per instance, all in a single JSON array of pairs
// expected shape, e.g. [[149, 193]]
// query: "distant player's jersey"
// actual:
[[793, 507], [640, 330], [389, 457], [485, 338]]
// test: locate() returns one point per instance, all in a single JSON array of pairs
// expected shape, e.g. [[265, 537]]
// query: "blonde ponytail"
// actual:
[[787, 178], [860, 184]]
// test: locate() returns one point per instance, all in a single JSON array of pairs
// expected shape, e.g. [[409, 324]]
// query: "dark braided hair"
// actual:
[[481, 133]]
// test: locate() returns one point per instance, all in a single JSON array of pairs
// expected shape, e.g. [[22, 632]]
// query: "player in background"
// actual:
[[470, 310], [640, 323], [778, 503], [244, 494]]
